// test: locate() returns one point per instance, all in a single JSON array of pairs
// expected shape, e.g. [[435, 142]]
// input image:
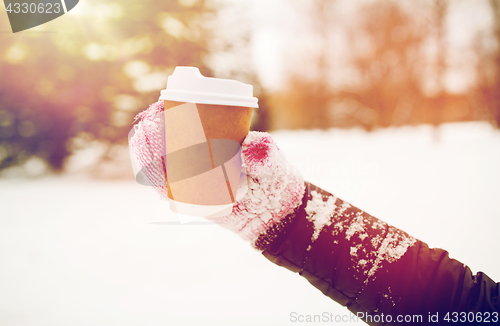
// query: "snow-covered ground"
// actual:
[[75, 251]]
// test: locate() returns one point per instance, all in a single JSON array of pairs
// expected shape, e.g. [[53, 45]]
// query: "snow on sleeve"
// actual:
[[357, 225], [371, 242], [320, 212], [393, 247]]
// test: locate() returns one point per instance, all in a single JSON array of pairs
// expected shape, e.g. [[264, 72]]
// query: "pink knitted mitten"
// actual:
[[275, 188]]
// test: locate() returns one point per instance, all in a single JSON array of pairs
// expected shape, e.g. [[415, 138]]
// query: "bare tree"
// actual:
[[387, 56]]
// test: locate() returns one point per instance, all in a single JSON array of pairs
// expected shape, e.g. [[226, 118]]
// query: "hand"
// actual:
[[275, 188]]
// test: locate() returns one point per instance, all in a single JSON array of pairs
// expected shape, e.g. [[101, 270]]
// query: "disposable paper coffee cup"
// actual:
[[206, 120]]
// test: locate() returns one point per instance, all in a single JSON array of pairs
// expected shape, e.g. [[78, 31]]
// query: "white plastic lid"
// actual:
[[187, 84]]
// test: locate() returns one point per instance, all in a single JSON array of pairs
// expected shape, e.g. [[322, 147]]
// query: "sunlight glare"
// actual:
[[136, 68], [173, 26], [15, 54], [101, 11], [98, 52]]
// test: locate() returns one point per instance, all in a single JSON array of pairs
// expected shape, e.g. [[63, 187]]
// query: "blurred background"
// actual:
[[393, 106], [78, 81]]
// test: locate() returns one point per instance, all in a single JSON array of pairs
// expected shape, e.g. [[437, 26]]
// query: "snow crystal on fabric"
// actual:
[[370, 256], [339, 215], [357, 225], [393, 247], [319, 212]]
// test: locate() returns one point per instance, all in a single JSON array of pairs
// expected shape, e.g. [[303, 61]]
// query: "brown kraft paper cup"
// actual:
[[203, 162]]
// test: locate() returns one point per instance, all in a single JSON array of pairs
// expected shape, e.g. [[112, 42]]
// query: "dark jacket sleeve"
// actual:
[[377, 271]]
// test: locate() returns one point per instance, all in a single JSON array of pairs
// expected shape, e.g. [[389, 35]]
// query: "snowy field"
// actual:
[[76, 251]]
